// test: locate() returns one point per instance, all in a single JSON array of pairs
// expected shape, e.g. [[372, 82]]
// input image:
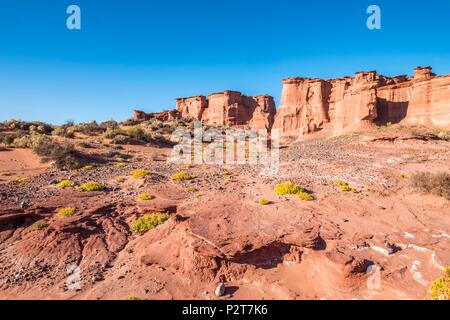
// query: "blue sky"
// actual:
[[143, 53]]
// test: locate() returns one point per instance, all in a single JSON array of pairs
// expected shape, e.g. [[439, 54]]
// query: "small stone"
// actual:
[[220, 290]]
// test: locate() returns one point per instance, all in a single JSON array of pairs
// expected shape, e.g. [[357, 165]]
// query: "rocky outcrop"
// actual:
[[349, 104], [228, 108], [192, 107], [332, 107], [303, 107], [162, 116]]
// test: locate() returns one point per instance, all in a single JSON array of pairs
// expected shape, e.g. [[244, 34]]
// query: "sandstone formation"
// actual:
[[162, 116], [228, 108], [333, 107], [348, 104]]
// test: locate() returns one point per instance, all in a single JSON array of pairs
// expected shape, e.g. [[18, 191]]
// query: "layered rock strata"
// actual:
[[349, 104]]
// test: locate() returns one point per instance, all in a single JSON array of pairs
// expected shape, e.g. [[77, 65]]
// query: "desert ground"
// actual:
[[368, 232]]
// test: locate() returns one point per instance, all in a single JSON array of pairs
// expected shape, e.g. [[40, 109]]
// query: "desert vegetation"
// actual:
[[148, 222], [145, 196], [344, 186], [432, 183], [91, 186], [289, 188], [65, 184], [440, 288], [140, 173], [181, 176], [39, 225], [66, 212], [228, 209]]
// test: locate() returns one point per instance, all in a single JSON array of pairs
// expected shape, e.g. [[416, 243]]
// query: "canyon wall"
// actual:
[[337, 106], [228, 108], [331, 107]]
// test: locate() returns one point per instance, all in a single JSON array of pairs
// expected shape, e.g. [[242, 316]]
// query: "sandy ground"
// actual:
[[383, 242], [20, 163]]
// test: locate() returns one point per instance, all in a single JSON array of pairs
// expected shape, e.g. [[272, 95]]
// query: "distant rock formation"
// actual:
[[349, 104], [228, 108], [162, 116], [331, 107]]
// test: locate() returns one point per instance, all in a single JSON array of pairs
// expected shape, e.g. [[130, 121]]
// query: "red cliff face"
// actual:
[[349, 104], [332, 107], [162, 116], [229, 108], [192, 107], [303, 107]]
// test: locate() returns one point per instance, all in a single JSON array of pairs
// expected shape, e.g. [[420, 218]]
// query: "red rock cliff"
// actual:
[[230, 108], [354, 103]]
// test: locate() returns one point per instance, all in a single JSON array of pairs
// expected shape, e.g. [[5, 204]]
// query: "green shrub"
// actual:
[[133, 298], [305, 196], [20, 179], [112, 133], [140, 173], [90, 129], [145, 197], [263, 202], [66, 212], [440, 288], [181, 176], [191, 189], [442, 135], [7, 139], [65, 184], [64, 132], [285, 188], [340, 183], [136, 133], [344, 186], [148, 222], [110, 124], [29, 140], [38, 226], [63, 156], [31, 127], [120, 165], [432, 183], [121, 139], [89, 167], [91, 186]]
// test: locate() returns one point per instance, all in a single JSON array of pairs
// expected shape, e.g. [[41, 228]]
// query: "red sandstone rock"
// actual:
[[229, 108], [162, 116], [349, 104], [304, 106], [332, 106], [192, 107]]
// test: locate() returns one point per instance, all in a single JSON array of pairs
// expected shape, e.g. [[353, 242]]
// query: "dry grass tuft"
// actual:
[[432, 183]]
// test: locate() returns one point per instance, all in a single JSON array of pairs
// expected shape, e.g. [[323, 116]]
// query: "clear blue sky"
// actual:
[[143, 53]]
